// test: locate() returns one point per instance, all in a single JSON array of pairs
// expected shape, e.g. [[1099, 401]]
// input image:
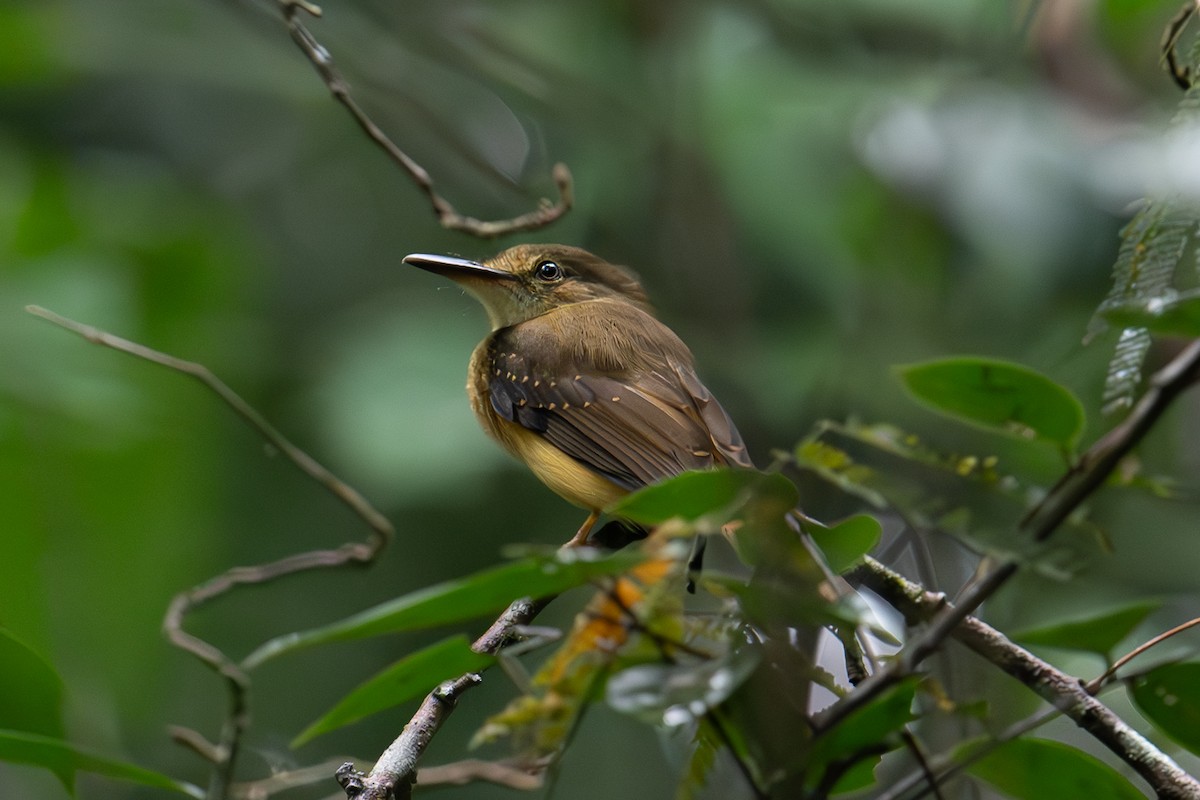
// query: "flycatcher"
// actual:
[[580, 381]]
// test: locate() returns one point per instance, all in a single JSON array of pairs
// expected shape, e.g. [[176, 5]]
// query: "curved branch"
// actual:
[[224, 754], [447, 215], [1097, 683]]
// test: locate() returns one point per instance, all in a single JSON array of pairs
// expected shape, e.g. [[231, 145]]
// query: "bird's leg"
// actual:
[[696, 562], [581, 535]]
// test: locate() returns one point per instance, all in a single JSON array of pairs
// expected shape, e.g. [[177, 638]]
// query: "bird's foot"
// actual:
[[580, 539]]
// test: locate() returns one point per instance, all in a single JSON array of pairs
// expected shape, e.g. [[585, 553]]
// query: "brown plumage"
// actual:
[[580, 381]]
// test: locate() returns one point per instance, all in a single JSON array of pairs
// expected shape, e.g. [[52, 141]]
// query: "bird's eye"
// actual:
[[548, 272]]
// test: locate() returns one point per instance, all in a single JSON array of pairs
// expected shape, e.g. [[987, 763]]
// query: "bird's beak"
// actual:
[[456, 268]]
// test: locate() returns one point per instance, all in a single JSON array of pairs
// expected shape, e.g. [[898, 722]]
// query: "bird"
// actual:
[[579, 379]]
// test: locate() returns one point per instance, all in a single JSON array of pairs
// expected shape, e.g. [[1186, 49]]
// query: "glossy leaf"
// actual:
[[1097, 634], [997, 395], [679, 694], [847, 542], [1039, 769], [410, 677], [37, 706], [58, 756], [486, 592], [693, 495], [1169, 696]]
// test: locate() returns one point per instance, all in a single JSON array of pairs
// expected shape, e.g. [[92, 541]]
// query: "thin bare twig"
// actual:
[[918, 754], [195, 741], [284, 780], [472, 770], [1094, 685], [942, 769], [1180, 73], [381, 529], [448, 217], [713, 717], [457, 773], [223, 755], [1064, 692]]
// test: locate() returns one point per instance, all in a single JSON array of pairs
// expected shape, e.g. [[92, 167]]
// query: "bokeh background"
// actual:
[[812, 190]]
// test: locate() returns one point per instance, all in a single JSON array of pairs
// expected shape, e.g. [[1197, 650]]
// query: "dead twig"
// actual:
[[1180, 73], [394, 773], [447, 215], [460, 773], [1097, 683], [223, 754]]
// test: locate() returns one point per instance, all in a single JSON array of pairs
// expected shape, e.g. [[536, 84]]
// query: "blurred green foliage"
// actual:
[[813, 191]]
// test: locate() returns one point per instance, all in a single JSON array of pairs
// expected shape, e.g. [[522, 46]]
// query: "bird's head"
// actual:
[[529, 280]]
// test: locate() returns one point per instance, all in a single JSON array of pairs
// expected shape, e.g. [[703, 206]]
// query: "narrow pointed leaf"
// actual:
[[696, 494], [412, 676], [1169, 696], [997, 395], [1097, 634], [37, 706], [481, 594], [58, 756], [1038, 769]]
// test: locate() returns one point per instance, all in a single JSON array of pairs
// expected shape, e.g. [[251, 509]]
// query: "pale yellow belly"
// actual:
[[565, 476]]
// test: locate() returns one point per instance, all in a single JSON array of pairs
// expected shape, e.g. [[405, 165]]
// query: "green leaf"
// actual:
[[1178, 314], [693, 495], [838, 467], [1169, 696], [409, 677], [868, 727], [846, 543], [997, 395], [37, 707], [970, 497], [58, 756], [1096, 634], [680, 694], [860, 776], [483, 593], [1038, 769]]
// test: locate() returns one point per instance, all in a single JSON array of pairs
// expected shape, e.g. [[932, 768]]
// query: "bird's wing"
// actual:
[[634, 427]]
